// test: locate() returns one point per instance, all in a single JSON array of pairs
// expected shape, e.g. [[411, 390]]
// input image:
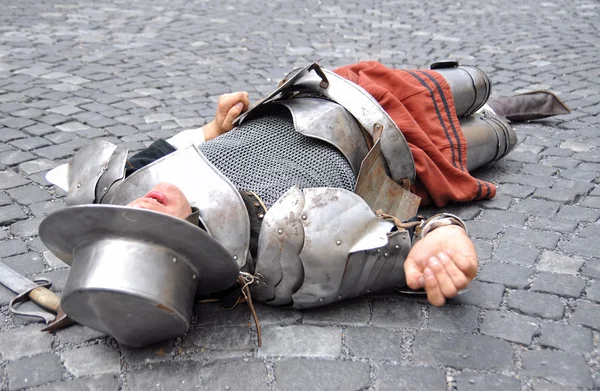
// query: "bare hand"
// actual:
[[443, 262], [229, 107]]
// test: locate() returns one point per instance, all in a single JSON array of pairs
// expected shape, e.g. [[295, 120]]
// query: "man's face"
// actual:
[[165, 198]]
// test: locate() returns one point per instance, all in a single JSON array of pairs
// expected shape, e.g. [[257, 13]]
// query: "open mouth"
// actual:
[[157, 196]]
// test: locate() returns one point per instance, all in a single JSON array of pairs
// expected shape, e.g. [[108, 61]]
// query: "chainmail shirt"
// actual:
[[267, 156]]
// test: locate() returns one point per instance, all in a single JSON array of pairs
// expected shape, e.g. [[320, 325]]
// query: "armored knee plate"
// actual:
[[322, 245], [489, 138], [470, 86]]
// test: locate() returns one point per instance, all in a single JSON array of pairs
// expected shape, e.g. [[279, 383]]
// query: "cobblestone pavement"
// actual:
[[133, 71]]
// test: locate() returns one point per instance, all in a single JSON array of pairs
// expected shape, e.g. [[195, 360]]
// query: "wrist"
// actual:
[[438, 221], [211, 130]]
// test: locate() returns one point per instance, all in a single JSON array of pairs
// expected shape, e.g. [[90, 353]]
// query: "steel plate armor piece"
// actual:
[[127, 277], [322, 245], [221, 207]]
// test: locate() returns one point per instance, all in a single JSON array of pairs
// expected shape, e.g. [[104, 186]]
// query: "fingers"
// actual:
[[458, 278], [414, 274], [230, 106], [443, 278], [434, 294], [444, 282], [468, 265], [232, 114]]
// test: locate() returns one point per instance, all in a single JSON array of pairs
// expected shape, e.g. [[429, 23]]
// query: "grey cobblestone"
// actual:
[[353, 312], [462, 350], [305, 374], [516, 253], [565, 337], [454, 318], [373, 342], [29, 194], [586, 314], [482, 294], [473, 381], [511, 327], [301, 341], [536, 304], [593, 291], [557, 263], [562, 368], [33, 371], [392, 313], [587, 247], [556, 225], [409, 378], [546, 240], [558, 284], [92, 360], [512, 276], [24, 341], [9, 179]]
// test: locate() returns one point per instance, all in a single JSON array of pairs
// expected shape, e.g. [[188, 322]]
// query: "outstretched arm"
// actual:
[[443, 262]]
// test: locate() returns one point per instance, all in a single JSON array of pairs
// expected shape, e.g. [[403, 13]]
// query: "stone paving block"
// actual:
[[483, 248], [24, 341], [561, 162], [4, 199], [484, 230], [29, 194], [563, 368], [348, 312], [78, 334], [536, 207], [539, 170], [557, 263], [57, 277], [453, 318], [92, 360], [211, 314], [504, 217], [181, 375], [557, 195], [500, 201], [250, 374], [221, 338], [473, 381], [593, 291], [54, 152], [586, 314], [481, 294], [578, 213], [33, 371], [156, 353], [591, 202], [11, 158], [460, 351], [587, 247], [30, 143], [516, 253], [40, 129], [553, 224], [7, 134], [307, 374], [12, 247], [579, 186], [558, 284], [529, 237], [275, 315], [592, 268], [62, 137], [566, 337], [579, 174], [35, 166], [536, 304], [10, 179], [373, 342], [396, 313], [512, 276], [41, 209], [526, 180], [25, 228], [25, 264], [409, 378], [540, 385], [301, 341], [92, 383], [511, 327]]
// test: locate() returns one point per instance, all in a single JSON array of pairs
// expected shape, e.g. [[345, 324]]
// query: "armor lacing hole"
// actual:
[[338, 242]]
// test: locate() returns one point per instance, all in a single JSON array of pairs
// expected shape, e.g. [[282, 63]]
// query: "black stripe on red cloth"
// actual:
[[437, 111]]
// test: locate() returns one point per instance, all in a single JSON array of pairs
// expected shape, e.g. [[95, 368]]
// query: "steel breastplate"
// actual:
[[222, 210]]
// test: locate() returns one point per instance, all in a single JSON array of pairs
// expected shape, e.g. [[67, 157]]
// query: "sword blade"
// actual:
[[14, 281]]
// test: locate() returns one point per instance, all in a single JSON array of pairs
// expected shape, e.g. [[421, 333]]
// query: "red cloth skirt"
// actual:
[[421, 104]]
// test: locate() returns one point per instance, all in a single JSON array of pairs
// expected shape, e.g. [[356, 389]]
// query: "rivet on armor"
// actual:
[[378, 250], [248, 193], [193, 276], [304, 217], [105, 189], [174, 260], [398, 247], [256, 203], [386, 255], [338, 242], [279, 231], [78, 185], [321, 299], [261, 215], [403, 236], [339, 297], [235, 257]]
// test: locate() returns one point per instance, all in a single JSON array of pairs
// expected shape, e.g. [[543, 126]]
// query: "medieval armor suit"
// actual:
[[312, 198]]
